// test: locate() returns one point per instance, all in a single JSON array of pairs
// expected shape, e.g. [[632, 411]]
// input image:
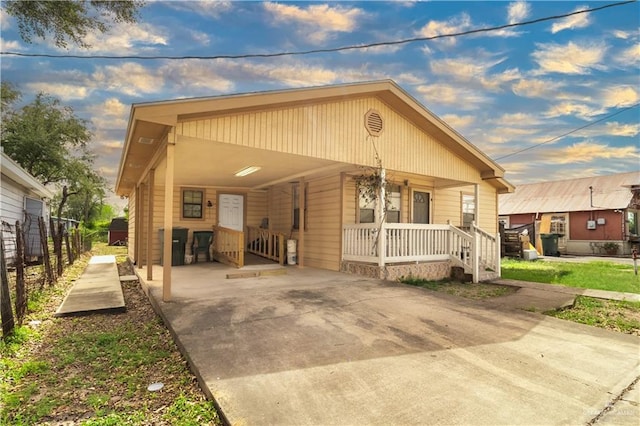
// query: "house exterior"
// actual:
[[118, 231], [22, 199], [293, 168], [593, 216]]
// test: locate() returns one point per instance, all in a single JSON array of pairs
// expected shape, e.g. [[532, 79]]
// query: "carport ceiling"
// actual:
[[206, 163]]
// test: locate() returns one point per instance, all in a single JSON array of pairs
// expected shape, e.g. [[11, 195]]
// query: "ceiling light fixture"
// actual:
[[146, 141], [247, 170]]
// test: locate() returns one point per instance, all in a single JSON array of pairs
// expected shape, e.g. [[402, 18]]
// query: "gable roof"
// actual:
[[153, 120], [583, 194], [16, 173]]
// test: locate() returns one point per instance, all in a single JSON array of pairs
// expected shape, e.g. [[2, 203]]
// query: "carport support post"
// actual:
[[168, 219], [301, 203], [150, 191]]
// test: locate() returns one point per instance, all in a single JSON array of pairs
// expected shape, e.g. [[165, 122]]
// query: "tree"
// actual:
[[9, 94], [42, 136], [69, 20]]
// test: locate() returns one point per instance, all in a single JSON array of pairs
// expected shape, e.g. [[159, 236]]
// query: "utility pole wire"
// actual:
[[568, 133], [334, 49]]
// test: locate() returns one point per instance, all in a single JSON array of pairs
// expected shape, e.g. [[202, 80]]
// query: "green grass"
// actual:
[[478, 291], [610, 314], [594, 275]]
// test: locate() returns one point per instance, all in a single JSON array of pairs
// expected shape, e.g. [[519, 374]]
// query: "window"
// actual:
[[192, 203], [468, 210], [558, 225], [393, 203], [296, 207], [368, 207], [632, 222]]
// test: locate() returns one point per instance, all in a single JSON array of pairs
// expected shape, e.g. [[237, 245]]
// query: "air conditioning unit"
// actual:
[[591, 224]]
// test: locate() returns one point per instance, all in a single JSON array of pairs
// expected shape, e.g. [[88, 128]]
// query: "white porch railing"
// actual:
[[407, 242]]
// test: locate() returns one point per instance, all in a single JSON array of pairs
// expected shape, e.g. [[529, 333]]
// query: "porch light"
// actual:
[[247, 170]]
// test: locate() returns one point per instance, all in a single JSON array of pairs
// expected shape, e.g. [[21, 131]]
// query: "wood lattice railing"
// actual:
[[228, 246], [265, 243]]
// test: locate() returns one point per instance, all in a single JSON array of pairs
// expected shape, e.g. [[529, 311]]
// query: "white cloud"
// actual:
[[620, 96], [459, 121], [570, 22], [571, 108], [194, 76], [10, 45], [535, 88], [128, 78], [586, 152], [210, 8], [454, 25], [520, 119], [613, 128], [65, 92], [124, 38], [571, 58], [5, 19], [316, 22], [518, 11], [110, 114], [630, 56], [474, 70], [622, 34], [462, 97]]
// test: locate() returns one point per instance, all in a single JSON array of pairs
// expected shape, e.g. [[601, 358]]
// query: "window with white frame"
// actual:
[[393, 203], [368, 207], [558, 224], [468, 210]]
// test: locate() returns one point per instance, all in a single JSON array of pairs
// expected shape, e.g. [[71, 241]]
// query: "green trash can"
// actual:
[[550, 244], [178, 245]]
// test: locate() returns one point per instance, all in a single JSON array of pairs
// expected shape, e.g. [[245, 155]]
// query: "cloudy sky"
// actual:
[[512, 92]]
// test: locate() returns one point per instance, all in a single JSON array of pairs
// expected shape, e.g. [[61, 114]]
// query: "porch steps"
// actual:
[[258, 273]]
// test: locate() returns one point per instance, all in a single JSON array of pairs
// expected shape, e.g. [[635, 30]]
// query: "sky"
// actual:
[[552, 100]]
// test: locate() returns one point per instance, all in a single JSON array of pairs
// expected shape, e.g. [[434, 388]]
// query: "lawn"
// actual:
[[96, 369], [595, 275]]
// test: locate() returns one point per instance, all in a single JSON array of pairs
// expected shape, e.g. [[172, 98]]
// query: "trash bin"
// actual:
[[178, 245], [550, 244]]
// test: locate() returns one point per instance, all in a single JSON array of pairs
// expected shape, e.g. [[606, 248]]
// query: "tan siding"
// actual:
[[447, 206], [350, 201], [488, 208], [256, 208], [280, 209], [335, 131], [323, 234]]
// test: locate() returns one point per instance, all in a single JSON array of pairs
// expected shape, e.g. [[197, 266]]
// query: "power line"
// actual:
[[568, 133], [329, 50]]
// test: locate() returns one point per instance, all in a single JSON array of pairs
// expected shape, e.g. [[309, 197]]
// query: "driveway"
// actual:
[[315, 347]]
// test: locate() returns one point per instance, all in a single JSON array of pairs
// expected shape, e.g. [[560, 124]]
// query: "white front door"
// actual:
[[231, 211]]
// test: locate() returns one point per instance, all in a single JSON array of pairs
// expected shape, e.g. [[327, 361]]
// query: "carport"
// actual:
[[319, 347]]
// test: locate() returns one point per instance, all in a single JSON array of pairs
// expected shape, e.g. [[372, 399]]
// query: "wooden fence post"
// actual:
[[67, 245], [6, 314], [21, 299], [45, 251]]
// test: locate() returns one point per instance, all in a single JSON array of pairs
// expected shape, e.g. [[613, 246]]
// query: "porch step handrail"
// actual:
[[228, 246], [266, 243], [408, 242]]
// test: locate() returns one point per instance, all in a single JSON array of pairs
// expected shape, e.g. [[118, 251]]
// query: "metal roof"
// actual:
[[606, 193]]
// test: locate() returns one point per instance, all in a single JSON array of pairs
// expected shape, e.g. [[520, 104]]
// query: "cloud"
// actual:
[[571, 58], [571, 22], [622, 34], [316, 22], [65, 92], [459, 121], [110, 114], [212, 9], [10, 45], [630, 56], [474, 70], [620, 96], [127, 78], [587, 152], [613, 128], [535, 88], [518, 11], [195, 76], [462, 97], [454, 25], [124, 39], [571, 108]]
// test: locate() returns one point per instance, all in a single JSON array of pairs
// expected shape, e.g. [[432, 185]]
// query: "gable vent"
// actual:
[[373, 122]]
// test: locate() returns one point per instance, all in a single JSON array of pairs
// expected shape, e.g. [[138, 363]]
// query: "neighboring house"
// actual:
[[246, 166], [591, 215], [118, 231], [22, 199]]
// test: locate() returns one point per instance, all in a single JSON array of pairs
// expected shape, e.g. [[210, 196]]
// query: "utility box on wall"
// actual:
[[591, 224], [601, 221]]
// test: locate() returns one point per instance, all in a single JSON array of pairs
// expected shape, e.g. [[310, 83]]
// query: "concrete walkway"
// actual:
[[97, 290], [316, 347], [540, 297]]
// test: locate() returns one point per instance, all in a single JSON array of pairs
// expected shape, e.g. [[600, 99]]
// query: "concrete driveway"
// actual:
[[318, 348]]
